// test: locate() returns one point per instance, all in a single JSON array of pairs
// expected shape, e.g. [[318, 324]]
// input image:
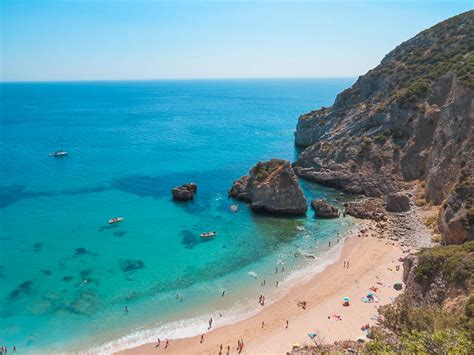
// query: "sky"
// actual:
[[52, 40]]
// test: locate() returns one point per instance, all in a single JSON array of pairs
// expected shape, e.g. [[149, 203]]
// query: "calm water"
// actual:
[[66, 275]]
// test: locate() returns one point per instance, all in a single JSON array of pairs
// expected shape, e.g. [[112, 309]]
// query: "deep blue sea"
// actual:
[[66, 276]]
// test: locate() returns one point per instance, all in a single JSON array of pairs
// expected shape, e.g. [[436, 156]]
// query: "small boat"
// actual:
[[116, 220], [58, 154], [208, 234]]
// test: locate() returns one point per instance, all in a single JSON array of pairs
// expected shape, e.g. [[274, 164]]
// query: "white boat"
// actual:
[[116, 220], [59, 153], [208, 234]]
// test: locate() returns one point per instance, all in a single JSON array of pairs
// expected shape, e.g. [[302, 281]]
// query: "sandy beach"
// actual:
[[372, 262]]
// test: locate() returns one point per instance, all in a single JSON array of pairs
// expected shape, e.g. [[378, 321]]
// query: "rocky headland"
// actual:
[[407, 121], [271, 187], [402, 137]]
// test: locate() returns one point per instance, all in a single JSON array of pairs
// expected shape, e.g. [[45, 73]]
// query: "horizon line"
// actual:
[[175, 79]]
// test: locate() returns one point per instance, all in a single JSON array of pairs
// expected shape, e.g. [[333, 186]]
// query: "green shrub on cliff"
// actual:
[[456, 262], [407, 328]]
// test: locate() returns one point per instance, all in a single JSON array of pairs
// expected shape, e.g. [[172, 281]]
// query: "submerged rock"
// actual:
[[185, 192], [127, 265], [271, 187], [323, 209], [398, 202]]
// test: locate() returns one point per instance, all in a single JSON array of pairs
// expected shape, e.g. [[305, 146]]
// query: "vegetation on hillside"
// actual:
[[406, 74], [407, 328]]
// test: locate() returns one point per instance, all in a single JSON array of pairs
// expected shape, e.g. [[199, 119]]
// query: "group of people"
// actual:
[[302, 305], [4, 350], [261, 300], [167, 343]]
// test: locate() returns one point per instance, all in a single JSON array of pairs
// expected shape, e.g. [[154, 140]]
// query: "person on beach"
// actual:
[[304, 305], [344, 264], [223, 293], [238, 345], [348, 265], [277, 284], [286, 325], [329, 245], [282, 269], [220, 349], [202, 338], [158, 343], [228, 349], [276, 270], [126, 310], [263, 324], [210, 323], [167, 343]]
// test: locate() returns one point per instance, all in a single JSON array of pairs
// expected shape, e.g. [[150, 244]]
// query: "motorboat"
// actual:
[[208, 234], [116, 220], [58, 154]]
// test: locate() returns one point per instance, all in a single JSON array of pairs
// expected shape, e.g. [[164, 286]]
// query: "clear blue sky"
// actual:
[[137, 39]]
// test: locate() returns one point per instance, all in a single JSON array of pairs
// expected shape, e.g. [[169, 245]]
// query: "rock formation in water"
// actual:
[[323, 209], [271, 187], [184, 192], [407, 120]]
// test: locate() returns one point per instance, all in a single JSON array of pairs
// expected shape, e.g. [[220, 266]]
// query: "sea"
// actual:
[[71, 282]]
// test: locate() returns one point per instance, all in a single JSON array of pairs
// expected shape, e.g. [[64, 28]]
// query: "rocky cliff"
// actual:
[[408, 119], [271, 187]]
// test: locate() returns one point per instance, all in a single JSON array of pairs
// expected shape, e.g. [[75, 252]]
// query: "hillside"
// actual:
[[409, 120]]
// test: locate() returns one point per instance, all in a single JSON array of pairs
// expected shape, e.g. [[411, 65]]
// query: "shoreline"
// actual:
[[371, 259]]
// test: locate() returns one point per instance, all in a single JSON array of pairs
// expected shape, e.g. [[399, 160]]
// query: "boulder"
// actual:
[[368, 209], [398, 202], [184, 192], [271, 187], [323, 209]]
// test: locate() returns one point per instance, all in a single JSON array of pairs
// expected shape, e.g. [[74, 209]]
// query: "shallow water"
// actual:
[[66, 275]]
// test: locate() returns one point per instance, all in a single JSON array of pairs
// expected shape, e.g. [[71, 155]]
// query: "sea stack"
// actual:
[[271, 187], [184, 192]]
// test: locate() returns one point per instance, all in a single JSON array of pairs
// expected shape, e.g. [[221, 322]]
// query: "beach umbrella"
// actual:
[[370, 294], [346, 299], [296, 345]]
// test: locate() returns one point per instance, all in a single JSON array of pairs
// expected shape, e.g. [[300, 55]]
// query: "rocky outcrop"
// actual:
[[456, 216], [398, 202], [271, 187], [408, 119], [184, 192], [439, 276], [323, 209], [366, 209]]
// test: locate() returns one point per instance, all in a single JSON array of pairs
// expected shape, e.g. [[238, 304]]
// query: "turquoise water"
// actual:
[[66, 275]]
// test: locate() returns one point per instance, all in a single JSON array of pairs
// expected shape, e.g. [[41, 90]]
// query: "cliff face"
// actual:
[[441, 276], [410, 118]]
